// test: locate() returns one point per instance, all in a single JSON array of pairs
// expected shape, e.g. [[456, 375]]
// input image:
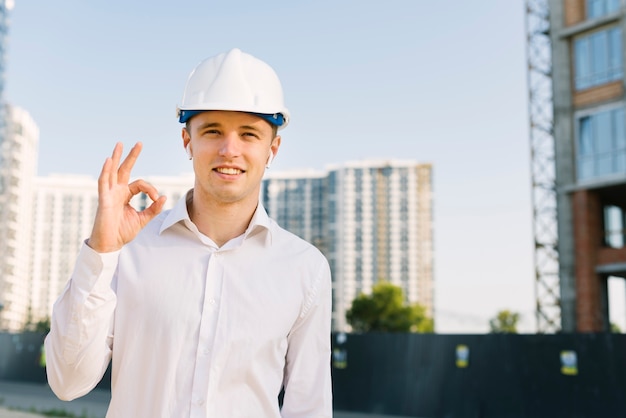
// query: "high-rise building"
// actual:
[[19, 166], [64, 208], [5, 7], [7, 239], [297, 201], [587, 51], [372, 220], [64, 211]]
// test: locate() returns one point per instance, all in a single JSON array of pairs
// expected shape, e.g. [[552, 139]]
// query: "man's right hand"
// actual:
[[117, 222]]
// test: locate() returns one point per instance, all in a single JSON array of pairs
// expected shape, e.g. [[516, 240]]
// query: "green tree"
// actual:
[[41, 326], [615, 329], [505, 322], [385, 310]]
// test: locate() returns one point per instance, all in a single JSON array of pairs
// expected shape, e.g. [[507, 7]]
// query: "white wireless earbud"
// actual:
[[269, 160], [188, 149]]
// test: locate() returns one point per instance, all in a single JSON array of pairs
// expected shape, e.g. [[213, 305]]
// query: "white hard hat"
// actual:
[[234, 81]]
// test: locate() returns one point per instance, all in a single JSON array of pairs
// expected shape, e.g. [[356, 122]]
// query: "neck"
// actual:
[[220, 221]]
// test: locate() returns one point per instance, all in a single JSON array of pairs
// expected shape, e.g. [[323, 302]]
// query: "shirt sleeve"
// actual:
[[308, 388], [78, 347]]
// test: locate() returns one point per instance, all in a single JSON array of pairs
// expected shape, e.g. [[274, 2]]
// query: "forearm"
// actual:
[[78, 347]]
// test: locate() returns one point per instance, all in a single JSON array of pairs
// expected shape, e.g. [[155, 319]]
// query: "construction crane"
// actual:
[[543, 171]]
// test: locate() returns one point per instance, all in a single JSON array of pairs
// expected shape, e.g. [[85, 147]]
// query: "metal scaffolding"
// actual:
[[543, 171]]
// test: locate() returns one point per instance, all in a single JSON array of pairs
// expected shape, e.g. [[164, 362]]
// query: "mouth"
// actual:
[[228, 170]]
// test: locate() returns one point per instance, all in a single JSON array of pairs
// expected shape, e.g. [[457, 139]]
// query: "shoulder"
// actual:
[[289, 242], [298, 256]]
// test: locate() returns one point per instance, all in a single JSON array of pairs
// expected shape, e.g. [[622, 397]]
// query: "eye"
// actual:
[[211, 132], [250, 135]]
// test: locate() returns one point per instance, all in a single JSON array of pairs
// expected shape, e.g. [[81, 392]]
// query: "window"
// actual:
[[358, 210], [358, 181], [613, 226], [332, 182], [601, 147], [598, 58], [597, 8]]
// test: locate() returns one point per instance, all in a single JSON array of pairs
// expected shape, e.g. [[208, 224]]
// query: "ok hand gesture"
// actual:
[[117, 222]]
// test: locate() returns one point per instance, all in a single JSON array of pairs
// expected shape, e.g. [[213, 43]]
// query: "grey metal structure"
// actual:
[[543, 176]]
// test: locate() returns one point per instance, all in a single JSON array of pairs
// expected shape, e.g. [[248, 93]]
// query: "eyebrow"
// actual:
[[208, 125], [218, 125], [251, 128]]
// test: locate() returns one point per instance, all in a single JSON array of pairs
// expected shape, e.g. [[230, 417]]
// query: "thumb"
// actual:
[[153, 210]]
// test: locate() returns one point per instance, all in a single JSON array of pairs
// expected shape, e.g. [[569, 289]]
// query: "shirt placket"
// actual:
[[205, 371]]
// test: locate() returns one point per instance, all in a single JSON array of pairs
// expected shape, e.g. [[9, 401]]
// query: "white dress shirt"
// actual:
[[194, 330]]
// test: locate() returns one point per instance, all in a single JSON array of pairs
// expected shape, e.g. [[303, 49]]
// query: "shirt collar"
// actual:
[[260, 220]]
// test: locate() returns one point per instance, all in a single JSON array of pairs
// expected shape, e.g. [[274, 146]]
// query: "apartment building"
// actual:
[[64, 207], [587, 38], [64, 211], [18, 166], [372, 220]]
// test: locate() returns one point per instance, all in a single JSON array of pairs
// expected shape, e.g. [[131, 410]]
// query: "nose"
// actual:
[[230, 145]]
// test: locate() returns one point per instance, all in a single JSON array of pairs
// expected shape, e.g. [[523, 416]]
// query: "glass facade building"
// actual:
[[372, 220], [588, 85]]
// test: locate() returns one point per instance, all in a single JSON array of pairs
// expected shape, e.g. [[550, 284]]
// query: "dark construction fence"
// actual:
[[20, 357], [535, 376], [432, 376]]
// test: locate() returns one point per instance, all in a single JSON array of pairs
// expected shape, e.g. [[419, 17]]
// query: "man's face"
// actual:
[[230, 151]]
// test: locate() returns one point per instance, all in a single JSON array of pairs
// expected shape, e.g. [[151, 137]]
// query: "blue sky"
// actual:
[[437, 82]]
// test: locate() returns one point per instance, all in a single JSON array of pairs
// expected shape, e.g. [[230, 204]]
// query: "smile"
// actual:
[[228, 170]]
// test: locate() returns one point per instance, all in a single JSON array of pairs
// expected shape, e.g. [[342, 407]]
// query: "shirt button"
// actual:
[[199, 401], [206, 351], [212, 301]]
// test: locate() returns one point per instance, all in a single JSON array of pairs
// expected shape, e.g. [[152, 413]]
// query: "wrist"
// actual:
[[101, 248]]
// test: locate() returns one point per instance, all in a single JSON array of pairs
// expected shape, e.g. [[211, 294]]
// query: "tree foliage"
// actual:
[[505, 322], [385, 310], [41, 326]]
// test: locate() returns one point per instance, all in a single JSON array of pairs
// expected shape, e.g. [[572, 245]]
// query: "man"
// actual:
[[210, 308]]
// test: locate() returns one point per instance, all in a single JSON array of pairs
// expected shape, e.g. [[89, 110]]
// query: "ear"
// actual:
[[273, 151], [275, 145], [186, 142]]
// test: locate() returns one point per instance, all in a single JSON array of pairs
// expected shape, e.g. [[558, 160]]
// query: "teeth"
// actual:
[[224, 170]]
